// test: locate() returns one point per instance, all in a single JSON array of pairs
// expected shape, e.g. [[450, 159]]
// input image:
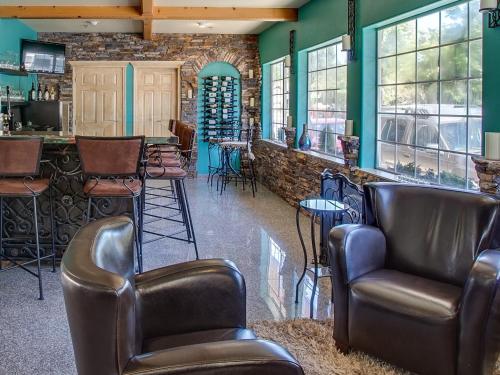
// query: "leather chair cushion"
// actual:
[[112, 188], [405, 319], [201, 337], [164, 161], [19, 187], [165, 172]]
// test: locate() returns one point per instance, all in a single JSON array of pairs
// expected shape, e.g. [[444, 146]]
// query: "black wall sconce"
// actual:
[[349, 40], [492, 8], [291, 51]]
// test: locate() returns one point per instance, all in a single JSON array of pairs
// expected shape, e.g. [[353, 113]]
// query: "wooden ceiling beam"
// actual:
[[231, 14], [70, 12], [148, 29], [158, 13]]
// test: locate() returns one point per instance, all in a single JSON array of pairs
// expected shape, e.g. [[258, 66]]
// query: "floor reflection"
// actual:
[[279, 276]]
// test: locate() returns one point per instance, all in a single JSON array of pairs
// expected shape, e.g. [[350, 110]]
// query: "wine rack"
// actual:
[[221, 108]]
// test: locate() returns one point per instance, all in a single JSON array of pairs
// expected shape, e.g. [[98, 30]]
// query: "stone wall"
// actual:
[[196, 50], [295, 175]]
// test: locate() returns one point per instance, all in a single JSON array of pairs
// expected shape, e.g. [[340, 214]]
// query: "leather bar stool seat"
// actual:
[[165, 162], [165, 172], [20, 187], [113, 188]]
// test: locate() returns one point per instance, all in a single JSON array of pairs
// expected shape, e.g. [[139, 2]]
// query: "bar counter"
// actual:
[[59, 162]]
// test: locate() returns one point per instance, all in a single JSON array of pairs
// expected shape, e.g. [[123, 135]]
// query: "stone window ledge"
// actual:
[[274, 143]]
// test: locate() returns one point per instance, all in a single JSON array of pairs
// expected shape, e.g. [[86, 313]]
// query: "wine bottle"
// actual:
[[39, 93], [32, 94], [46, 95]]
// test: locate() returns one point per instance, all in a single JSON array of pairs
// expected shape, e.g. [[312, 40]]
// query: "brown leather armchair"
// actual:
[[188, 318], [418, 285]]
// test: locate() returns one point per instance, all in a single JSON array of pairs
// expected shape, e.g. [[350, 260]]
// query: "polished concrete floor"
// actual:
[[258, 234]]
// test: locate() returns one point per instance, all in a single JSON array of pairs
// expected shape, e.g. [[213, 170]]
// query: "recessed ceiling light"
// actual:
[[93, 22], [204, 25]]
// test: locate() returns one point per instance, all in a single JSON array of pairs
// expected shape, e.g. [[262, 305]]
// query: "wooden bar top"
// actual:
[[66, 138]]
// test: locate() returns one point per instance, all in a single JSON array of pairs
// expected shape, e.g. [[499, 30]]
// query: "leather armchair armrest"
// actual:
[[222, 358], [355, 249], [479, 340], [188, 297]]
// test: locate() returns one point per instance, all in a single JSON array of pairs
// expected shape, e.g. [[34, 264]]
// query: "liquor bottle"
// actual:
[[32, 94], [46, 95], [39, 93], [52, 93]]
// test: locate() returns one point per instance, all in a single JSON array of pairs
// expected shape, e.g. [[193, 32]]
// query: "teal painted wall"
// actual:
[[212, 69], [320, 21], [12, 31]]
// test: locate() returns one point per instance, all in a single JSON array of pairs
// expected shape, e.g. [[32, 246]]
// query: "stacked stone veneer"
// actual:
[[488, 172], [196, 50], [295, 175]]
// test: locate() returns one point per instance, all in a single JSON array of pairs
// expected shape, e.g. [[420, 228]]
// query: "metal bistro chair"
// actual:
[[111, 170], [19, 165], [173, 167], [337, 187]]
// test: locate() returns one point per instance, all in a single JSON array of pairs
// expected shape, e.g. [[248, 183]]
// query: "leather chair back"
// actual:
[[20, 156], [98, 285], [110, 156], [433, 232]]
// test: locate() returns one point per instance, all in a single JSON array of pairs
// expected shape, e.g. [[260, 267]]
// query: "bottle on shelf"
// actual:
[[52, 93], [46, 95], [39, 93], [32, 93]]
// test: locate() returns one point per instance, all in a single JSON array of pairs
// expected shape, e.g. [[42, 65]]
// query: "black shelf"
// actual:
[[13, 72]]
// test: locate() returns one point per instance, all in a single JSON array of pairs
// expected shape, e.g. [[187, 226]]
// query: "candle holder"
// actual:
[[290, 134], [488, 172], [350, 149]]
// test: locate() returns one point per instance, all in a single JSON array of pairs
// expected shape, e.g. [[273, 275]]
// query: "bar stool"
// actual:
[[111, 170], [164, 166], [19, 165]]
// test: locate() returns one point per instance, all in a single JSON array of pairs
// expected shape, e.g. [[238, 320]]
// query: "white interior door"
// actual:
[[155, 99], [99, 99]]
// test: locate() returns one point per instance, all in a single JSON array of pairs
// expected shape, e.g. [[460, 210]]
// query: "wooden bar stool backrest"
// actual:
[[20, 156], [110, 156]]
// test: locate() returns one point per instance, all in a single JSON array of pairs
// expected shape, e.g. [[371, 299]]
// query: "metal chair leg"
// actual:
[[136, 235], [89, 208], [190, 219], [52, 232], [35, 222], [182, 205]]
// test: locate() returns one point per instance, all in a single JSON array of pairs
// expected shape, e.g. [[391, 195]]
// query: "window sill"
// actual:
[[319, 155], [275, 143]]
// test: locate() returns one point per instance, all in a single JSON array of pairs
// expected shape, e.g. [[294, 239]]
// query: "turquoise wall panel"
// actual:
[[212, 69], [12, 31]]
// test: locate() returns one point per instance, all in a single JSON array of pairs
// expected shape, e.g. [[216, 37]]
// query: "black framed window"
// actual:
[[280, 99]]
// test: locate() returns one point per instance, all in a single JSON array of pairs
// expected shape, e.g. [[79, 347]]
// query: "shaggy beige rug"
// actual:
[[311, 342]]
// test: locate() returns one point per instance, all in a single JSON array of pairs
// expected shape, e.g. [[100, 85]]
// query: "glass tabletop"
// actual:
[[323, 205]]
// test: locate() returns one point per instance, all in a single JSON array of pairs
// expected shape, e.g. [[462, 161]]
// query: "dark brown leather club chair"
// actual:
[[187, 318], [418, 285]]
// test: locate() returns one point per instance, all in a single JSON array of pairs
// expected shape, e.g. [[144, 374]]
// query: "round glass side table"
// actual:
[[316, 207]]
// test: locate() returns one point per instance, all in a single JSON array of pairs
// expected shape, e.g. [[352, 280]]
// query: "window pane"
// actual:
[[331, 56], [454, 98], [387, 99], [454, 24], [476, 20], [405, 129], [453, 134], [454, 61], [475, 97], [428, 31], [341, 100], [428, 132], [405, 163], [475, 130], [322, 59], [406, 98], [476, 58], [387, 41], [406, 36], [313, 81], [428, 65], [341, 55], [385, 156], [406, 68], [331, 100], [452, 167], [340, 118], [342, 77], [387, 130], [331, 79], [427, 98], [427, 165], [313, 61], [473, 178], [387, 71], [322, 106], [322, 80], [313, 101]]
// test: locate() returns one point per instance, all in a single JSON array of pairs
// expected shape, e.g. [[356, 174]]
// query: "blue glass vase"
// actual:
[[305, 140]]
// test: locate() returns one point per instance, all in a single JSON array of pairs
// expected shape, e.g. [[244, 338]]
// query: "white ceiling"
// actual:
[[159, 26]]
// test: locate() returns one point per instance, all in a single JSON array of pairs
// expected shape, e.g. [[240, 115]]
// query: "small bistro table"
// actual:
[[316, 207]]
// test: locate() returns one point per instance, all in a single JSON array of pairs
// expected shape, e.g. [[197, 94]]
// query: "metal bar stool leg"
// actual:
[[89, 210], [190, 219], [182, 205], [136, 235], [35, 222], [52, 229]]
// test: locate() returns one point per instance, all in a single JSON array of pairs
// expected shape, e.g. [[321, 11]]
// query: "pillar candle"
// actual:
[[250, 74], [289, 122], [492, 146], [252, 102], [487, 5], [346, 42], [251, 121], [349, 127]]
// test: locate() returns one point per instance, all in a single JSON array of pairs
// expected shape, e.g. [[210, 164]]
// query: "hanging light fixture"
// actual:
[[492, 9]]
